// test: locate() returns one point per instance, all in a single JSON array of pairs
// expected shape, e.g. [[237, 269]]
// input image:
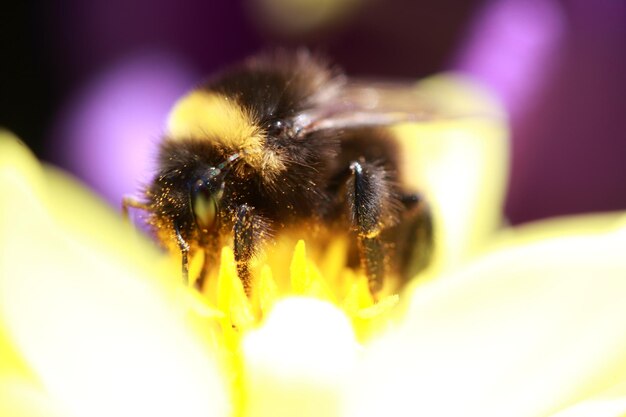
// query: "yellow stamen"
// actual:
[[231, 297], [267, 290], [329, 281], [306, 278]]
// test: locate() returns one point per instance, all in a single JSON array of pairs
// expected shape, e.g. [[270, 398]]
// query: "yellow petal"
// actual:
[[12, 365], [21, 393], [529, 330], [21, 399], [84, 304], [460, 164], [588, 224], [610, 403]]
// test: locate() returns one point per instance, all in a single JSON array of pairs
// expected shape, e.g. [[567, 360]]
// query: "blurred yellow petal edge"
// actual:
[[20, 390], [559, 227], [610, 403]]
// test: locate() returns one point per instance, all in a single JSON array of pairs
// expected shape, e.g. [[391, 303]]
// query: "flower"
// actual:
[[93, 323]]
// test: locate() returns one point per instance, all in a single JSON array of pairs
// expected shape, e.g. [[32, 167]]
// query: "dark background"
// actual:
[[569, 140]]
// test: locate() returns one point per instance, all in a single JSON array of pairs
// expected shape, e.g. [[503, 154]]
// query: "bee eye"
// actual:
[[204, 206], [278, 128]]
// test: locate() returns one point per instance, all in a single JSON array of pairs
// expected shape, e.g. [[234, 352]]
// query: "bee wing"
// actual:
[[361, 103]]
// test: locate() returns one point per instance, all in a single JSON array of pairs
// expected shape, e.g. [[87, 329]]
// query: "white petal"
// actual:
[[298, 362]]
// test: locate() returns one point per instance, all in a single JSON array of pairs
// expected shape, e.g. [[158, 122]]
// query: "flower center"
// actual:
[[325, 278], [230, 313]]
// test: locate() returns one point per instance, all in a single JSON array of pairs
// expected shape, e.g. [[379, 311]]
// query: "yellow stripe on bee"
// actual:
[[206, 115], [212, 116]]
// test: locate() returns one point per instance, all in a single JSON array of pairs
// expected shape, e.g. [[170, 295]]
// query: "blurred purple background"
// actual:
[[88, 84]]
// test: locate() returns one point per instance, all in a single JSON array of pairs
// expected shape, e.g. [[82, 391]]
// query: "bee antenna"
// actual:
[[226, 164]]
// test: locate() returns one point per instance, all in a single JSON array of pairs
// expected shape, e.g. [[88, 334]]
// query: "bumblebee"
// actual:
[[281, 141]]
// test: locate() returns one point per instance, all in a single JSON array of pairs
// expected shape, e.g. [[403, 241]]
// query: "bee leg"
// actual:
[[244, 244], [367, 191], [184, 251], [128, 202], [414, 235]]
